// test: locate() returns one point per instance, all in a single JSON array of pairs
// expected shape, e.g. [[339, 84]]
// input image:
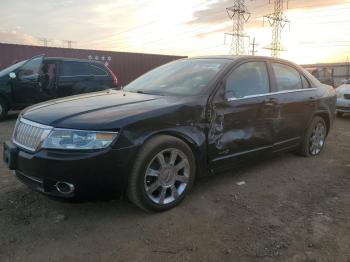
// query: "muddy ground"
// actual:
[[290, 209]]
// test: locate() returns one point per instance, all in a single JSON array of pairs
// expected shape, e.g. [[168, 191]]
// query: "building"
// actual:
[[330, 73]]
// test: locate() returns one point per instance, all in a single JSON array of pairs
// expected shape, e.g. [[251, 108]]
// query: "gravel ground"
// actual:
[[289, 209]]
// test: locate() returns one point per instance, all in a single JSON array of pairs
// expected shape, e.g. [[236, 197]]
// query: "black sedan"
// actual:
[[186, 118]]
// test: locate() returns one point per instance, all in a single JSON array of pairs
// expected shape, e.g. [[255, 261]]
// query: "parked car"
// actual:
[[43, 78], [343, 98], [186, 118]]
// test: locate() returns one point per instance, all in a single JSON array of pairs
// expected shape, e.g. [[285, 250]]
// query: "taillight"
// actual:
[[114, 78]]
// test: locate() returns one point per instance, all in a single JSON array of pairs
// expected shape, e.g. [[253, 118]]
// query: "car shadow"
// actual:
[[110, 204]]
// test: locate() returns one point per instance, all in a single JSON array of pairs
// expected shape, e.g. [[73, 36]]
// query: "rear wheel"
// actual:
[[3, 109], [163, 173], [315, 138]]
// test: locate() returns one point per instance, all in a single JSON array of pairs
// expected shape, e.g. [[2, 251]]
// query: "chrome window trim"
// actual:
[[86, 130], [269, 94], [77, 76], [35, 124]]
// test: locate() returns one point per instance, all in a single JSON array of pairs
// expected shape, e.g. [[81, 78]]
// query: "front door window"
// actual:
[[247, 80]]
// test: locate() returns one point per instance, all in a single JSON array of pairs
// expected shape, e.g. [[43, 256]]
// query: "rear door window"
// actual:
[[74, 68], [97, 71], [248, 79], [287, 78]]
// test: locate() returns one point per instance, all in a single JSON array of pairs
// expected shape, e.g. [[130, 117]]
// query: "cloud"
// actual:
[[216, 12], [17, 38]]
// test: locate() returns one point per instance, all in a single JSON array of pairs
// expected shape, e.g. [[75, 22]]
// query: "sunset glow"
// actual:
[[318, 29]]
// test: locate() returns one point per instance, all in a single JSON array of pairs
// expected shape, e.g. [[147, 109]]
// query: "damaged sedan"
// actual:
[[184, 119]]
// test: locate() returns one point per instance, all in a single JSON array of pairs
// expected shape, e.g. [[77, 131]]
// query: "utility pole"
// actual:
[[347, 68], [45, 41], [69, 43], [253, 45], [277, 21], [239, 15]]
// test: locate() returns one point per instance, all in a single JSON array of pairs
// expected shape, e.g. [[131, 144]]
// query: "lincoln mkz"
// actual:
[[184, 119]]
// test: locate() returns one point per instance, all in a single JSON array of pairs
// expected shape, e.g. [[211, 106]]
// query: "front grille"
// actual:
[[347, 96], [29, 134]]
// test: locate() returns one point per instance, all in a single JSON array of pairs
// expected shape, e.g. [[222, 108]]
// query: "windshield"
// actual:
[[12, 68], [182, 77]]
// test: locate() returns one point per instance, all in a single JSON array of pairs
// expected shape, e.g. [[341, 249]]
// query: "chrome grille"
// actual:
[[29, 135]]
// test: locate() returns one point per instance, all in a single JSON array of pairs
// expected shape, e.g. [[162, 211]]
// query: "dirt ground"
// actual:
[[290, 209]]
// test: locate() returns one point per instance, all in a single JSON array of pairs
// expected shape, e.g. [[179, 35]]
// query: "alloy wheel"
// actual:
[[318, 137], [167, 176]]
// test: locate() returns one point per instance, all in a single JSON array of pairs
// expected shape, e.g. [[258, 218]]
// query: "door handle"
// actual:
[[312, 99], [270, 102]]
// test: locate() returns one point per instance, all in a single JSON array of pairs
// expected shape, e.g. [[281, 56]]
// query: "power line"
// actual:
[[196, 30], [239, 15], [136, 36], [141, 26], [69, 43], [45, 41], [253, 45], [277, 21]]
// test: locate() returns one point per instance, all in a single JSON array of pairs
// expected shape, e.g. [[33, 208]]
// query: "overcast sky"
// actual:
[[318, 30]]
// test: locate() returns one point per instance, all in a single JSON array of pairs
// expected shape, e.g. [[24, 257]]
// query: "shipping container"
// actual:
[[126, 66]]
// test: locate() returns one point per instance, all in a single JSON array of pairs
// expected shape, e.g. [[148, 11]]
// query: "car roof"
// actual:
[[73, 60], [241, 57]]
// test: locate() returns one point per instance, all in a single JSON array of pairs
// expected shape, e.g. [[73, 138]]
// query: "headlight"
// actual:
[[78, 139]]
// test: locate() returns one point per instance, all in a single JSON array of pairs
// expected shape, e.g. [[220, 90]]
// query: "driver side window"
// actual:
[[248, 79]]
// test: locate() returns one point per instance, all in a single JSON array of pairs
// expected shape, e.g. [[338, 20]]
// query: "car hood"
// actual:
[[97, 111], [343, 89]]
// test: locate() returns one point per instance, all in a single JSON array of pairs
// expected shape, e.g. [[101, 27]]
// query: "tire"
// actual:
[[340, 114], [3, 109], [155, 184], [314, 138]]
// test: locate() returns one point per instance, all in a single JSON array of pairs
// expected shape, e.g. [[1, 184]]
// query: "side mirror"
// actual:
[[12, 75]]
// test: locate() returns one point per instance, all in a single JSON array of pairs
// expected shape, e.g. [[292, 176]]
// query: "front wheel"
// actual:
[[315, 138], [3, 109], [163, 173]]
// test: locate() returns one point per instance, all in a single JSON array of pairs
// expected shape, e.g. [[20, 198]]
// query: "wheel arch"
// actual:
[[197, 147]]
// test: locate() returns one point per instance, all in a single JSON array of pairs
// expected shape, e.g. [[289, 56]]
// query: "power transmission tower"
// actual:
[[45, 41], [69, 43], [239, 15], [253, 45], [277, 21]]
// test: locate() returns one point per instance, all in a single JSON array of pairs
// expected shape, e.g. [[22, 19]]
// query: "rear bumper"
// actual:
[[343, 105], [87, 171]]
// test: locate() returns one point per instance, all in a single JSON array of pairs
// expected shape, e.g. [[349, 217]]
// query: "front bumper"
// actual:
[[343, 105], [95, 171]]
